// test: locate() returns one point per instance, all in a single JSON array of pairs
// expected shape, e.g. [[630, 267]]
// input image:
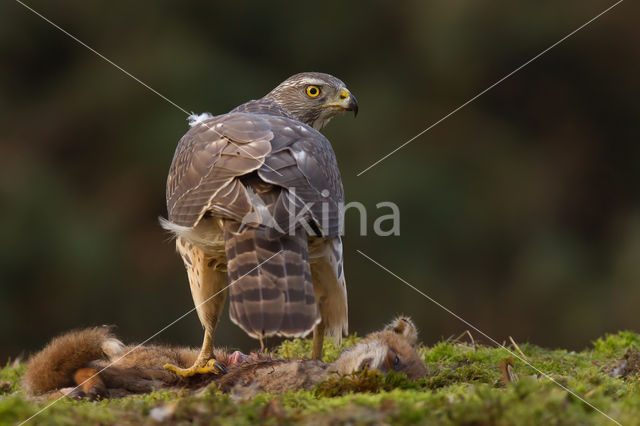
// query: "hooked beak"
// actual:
[[346, 102], [353, 105]]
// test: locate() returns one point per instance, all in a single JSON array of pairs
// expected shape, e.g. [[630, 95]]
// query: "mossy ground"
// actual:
[[464, 386]]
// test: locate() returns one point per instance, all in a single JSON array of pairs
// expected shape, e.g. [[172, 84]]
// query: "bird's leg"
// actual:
[[318, 339], [206, 363], [208, 288]]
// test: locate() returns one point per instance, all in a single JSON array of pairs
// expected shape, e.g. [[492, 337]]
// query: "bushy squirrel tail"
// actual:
[[55, 365]]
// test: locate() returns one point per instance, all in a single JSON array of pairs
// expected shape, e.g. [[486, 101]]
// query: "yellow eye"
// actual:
[[313, 91]]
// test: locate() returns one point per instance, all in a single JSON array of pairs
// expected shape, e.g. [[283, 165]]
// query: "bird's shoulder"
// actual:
[[285, 127], [249, 122]]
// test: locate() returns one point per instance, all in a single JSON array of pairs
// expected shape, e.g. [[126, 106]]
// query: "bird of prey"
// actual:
[[256, 203]]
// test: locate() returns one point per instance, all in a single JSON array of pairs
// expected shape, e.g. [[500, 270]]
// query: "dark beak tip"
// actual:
[[353, 106]]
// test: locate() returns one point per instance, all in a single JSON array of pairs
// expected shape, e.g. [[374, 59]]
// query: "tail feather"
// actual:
[[271, 291], [54, 366]]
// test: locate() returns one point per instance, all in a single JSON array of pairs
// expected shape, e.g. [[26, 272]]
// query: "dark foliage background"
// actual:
[[521, 212]]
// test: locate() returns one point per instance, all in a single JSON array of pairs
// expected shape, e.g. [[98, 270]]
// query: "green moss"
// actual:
[[463, 387], [616, 344], [301, 348], [10, 377], [364, 381]]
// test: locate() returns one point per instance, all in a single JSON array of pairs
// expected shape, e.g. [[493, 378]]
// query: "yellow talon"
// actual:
[[212, 366]]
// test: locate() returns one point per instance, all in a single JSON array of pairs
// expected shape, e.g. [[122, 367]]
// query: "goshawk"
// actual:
[[255, 201]]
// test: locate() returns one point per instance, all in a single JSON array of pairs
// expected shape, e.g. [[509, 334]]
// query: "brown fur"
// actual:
[[54, 366], [105, 371], [392, 348], [90, 384], [134, 369], [273, 376]]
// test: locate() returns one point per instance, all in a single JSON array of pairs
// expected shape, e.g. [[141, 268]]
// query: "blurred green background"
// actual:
[[521, 212]]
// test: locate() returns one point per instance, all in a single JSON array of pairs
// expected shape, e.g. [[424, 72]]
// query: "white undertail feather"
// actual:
[[207, 234], [176, 230]]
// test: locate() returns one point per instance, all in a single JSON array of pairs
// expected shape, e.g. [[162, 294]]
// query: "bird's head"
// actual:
[[313, 98]]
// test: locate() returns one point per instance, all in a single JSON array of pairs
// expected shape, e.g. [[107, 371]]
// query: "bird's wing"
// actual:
[[291, 155], [209, 157], [302, 161]]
